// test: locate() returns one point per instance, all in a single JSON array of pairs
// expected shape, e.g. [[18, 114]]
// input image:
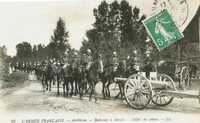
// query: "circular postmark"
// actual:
[[177, 8]]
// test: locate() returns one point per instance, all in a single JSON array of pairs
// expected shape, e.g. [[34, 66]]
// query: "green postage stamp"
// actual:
[[162, 29]]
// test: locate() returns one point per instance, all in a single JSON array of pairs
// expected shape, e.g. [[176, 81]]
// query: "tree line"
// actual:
[[117, 28], [56, 48]]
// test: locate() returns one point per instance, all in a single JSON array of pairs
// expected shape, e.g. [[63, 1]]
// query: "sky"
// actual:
[[34, 22]]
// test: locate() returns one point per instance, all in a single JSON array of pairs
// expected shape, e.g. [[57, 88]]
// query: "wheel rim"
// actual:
[[138, 91], [159, 98]]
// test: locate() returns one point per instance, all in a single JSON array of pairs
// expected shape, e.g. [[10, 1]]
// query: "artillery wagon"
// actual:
[[159, 89]]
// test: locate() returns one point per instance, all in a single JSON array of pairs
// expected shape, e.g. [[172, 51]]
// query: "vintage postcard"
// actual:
[[85, 61]]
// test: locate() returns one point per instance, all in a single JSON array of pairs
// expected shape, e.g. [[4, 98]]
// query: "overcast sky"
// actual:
[[34, 22]]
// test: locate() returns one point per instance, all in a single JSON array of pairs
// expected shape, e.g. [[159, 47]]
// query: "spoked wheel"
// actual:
[[137, 91], [160, 99]]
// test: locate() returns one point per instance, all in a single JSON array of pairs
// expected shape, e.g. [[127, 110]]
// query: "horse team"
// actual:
[[74, 78]]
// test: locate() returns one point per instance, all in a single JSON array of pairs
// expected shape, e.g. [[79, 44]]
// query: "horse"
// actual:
[[90, 76], [57, 73], [47, 77], [71, 77], [68, 79], [76, 78], [82, 78], [106, 78], [38, 71], [121, 72]]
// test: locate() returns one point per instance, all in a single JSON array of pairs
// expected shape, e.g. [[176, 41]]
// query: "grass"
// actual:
[[14, 79]]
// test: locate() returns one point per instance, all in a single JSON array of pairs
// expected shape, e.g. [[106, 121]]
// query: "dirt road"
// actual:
[[29, 98]]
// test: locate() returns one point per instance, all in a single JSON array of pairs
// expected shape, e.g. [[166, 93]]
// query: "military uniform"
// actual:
[[115, 63], [131, 66], [86, 61], [101, 65]]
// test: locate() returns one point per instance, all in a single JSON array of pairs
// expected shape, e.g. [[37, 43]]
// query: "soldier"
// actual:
[[86, 60], [115, 61], [89, 59], [100, 63], [131, 69], [148, 67]]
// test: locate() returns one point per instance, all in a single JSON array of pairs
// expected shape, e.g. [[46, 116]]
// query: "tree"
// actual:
[[106, 27], [42, 52], [24, 50], [59, 40], [117, 27], [34, 51]]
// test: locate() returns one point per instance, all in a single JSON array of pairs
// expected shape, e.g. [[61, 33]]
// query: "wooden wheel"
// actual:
[[159, 98], [137, 91]]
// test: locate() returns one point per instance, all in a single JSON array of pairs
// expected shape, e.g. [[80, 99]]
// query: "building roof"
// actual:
[[191, 32]]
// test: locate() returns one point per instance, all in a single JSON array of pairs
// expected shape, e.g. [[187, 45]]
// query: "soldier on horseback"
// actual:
[[88, 59], [115, 61], [86, 64], [132, 67]]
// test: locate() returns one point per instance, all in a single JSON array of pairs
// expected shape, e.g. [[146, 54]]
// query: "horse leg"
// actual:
[[88, 87], [43, 84], [58, 85], [46, 82], [179, 83], [103, 89], [81, 89], [64, 89], [76, 86], [50, 80], [91, 92], [72, 87], [94, 85], [54, 79], [190, 82], [67, 86], [85, 90], [107, 89]]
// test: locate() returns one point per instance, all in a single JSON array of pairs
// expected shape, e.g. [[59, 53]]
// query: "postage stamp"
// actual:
[[162, 29]]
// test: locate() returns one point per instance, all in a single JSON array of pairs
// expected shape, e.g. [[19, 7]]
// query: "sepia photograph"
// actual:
[[104, 61]]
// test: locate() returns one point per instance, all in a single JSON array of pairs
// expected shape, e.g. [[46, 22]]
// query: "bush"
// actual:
[[14, 79]]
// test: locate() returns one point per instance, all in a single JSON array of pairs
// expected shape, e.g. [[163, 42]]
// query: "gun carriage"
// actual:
[[159, 89]]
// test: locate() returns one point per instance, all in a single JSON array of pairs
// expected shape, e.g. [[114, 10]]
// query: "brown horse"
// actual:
[[91, 76]]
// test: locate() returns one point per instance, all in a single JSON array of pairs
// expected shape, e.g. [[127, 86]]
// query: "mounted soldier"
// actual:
[[75, 73], [57, 73], [100, 59], [148, 67], [115, 61], [88, 59], [86, 64]]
